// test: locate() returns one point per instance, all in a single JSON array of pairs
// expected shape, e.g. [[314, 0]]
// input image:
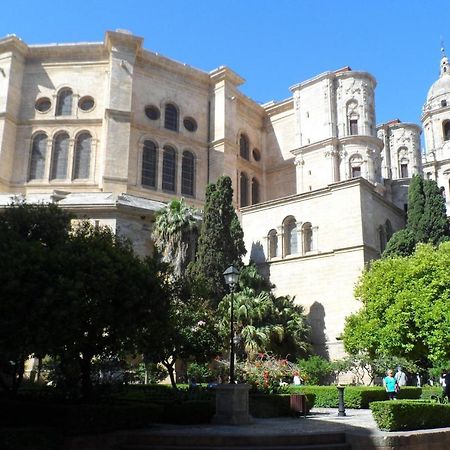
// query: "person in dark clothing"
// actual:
[[447, 384]]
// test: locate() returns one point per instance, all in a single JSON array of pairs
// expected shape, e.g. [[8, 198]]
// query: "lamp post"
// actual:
[[231, 276]]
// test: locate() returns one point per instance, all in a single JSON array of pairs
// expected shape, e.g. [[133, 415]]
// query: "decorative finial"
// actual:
[[443, 47]]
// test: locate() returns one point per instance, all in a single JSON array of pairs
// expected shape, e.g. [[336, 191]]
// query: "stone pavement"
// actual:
[[320, 420]]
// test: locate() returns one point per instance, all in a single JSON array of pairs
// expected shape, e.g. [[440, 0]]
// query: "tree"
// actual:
[[221, 241], [264, 323], [175, 234], [405, 308], [105, 298], [427, 219], [30, 239], [190, 332], [435, 222]]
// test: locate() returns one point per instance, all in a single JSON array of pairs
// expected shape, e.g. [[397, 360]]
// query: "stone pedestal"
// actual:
[[232, 405]]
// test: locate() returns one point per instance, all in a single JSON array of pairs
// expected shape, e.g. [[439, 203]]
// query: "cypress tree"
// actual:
[[427, 219], [434, 222], [220, 243], [416, 206]]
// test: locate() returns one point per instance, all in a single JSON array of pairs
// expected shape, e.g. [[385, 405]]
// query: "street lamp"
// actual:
[[231, 276]]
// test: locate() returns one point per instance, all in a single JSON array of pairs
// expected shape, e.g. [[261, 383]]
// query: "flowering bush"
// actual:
[[267, 373]]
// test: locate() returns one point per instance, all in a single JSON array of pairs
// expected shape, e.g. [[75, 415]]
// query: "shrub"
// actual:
[[188, 412], [429, 391], [74, 419], [315, 370], [30, 439], [357, 397], [407, 415], [200, 373], [267, 373], [274, 405]]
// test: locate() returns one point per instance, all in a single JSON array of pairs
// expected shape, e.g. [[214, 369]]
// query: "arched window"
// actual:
[[255, 191], [59, 157], [171, 117], [64, 103], [169, 168], [38, 152], [244, 189], [446, 129], [308, 242], [273, 243], [290, 236], [356, 162], [187, 173], [82, 156], [149, 161], [244, 146]]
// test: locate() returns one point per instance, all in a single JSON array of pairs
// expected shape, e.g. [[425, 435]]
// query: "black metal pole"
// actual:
[[232, 335], [341, 411]]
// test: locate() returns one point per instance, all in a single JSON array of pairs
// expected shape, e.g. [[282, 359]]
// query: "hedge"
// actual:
[[403, 415], [357, 397], [75, 419], [274, 405], [30, 439]]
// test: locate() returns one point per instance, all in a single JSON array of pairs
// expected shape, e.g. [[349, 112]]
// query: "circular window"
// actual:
[[86, 103], [43, 104], [190, 124], [256, 154], [152, 112]]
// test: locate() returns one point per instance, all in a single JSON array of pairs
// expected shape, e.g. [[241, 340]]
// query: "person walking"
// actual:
[[400, 377], [446, 384], [390, 384]]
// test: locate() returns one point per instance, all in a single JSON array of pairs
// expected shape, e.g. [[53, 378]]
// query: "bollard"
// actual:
[[341, 411]]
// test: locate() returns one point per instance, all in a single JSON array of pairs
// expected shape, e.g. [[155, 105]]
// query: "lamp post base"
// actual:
[[232, 405]]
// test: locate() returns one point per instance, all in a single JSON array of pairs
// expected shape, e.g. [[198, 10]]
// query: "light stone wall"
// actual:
[[322, 280]]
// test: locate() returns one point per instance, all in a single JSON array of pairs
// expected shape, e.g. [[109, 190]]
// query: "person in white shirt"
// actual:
[[400, 377]]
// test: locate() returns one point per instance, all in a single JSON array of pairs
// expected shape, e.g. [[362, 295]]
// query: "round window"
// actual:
[[256, 154], [190, 124], [43, 104], [152, 112], [86, 103]]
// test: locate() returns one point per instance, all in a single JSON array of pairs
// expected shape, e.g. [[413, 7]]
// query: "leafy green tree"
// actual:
[[190, 332], [405, 308], [221, 241], [263, 322], [105, 299], [30, 239], [175, 234], [427, 219]]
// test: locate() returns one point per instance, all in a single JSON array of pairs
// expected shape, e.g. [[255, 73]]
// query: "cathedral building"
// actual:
[[112, 132]]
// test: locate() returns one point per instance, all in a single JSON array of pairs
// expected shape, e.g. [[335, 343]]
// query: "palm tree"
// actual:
[[175, 234], [265, 323]]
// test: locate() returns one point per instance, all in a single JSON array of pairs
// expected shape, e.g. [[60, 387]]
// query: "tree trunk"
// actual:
[[86, 381], [171, 370]]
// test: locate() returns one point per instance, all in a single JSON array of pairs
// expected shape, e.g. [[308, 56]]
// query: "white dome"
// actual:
[[439, 87]]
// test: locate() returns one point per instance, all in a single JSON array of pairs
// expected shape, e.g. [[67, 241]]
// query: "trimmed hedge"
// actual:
[[403, 415], [429, 391], [357, 397], [30, 439], [75, 419], [274, 405]]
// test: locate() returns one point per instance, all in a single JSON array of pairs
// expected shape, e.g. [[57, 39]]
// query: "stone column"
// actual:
[[232, 405]]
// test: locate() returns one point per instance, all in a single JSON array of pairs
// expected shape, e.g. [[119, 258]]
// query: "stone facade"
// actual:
[[112, 132]]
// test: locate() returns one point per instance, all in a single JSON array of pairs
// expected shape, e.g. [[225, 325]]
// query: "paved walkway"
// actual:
[[320, 420]]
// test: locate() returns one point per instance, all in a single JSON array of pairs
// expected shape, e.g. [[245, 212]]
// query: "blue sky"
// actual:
[[272, 44]]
